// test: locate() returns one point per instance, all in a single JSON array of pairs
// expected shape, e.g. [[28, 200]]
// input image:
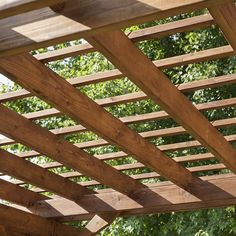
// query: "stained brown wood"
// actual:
[[225, 17], [136, 66], [209, 54], [31, 173], [15, 7], [29, 223], [58, 149], [221, 192], [98, 223], [23, 197], [81, 18], [139, 35], [66, 98], [148, 175]]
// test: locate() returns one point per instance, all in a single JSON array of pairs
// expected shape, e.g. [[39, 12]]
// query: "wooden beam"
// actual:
[[29, 223], [31, 173], [142, 176], [153, 32], [220, 190], [166, 132], [15, 7], [208, 54], [225, 17], [3, 231], [98, 223], [136, 66], [42, 140], [21, 196], [69, 100], [82, 18]]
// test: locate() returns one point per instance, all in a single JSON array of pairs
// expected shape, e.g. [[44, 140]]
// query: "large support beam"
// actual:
[[30, 73], [225, 17], [15, 7], [81, 18], [42, 140], [29, 223], [221, 191], [137, 67], [29, 172]]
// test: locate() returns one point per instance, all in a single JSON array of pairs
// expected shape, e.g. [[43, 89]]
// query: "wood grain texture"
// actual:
[[29, 223], [31, 173], [225, 17], [24, 197], [81, 18], [196, 57], [136, 66], [220, 190], [14, 7], [42, 140], [153, 32], [78, 106]]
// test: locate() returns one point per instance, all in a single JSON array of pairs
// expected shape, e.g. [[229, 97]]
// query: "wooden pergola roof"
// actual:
[[27, 25]]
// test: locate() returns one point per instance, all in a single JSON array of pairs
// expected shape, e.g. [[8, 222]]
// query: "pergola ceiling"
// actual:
[[27, 25]]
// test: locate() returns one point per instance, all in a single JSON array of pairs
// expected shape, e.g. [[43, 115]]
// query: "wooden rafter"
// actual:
[[138, 68], [58, 149], [39, 176], [201, 56], [29, 223], [63, 96], [225, 17], [24, 197], [81, 18]]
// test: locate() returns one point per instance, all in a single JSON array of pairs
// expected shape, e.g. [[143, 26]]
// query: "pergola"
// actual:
[[27, 25]]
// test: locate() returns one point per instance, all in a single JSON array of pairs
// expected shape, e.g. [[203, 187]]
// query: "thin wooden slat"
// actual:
[[29, 172], [220, 190], [15, 7], [209, 54], [13, 193], [42, 140], [142, 176], [148, 134], [136, 66], [139, 35], [81, 18], [84, 110], [116, 155], [29, 223], [225, 17]]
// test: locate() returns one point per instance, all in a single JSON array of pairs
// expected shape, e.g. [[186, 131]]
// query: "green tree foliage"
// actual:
[[199, 223]]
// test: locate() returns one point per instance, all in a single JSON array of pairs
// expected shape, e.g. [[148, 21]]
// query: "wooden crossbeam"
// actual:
[[24, 197], [208, 54], [31, 173], [29, 223], [225, 17], [66, 98], [138, 68], [221, 191], [153, 32], [42, 140], [81, 18], [15, 7]]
